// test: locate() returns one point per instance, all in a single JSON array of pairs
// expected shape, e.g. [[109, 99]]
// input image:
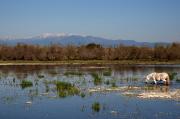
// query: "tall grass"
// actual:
[[96, 79], [66, 89], [96, 106], [73, 73], [107, 73], [26, 83]]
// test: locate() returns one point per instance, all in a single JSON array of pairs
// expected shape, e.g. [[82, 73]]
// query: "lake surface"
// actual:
[[89, 91]]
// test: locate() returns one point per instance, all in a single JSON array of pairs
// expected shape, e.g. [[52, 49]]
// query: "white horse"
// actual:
[[158, 78]]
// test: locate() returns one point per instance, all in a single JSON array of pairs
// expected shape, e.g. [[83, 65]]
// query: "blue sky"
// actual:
[[141, 20]]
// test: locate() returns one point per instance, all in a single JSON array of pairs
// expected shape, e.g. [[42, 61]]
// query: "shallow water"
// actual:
[[42, 99]]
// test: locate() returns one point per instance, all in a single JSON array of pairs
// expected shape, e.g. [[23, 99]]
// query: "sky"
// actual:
[[140, 20]]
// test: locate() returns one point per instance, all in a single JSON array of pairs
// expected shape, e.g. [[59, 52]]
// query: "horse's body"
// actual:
[[157, 78]]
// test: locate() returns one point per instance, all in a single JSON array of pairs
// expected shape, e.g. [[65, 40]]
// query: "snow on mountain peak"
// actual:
[[47, 35]]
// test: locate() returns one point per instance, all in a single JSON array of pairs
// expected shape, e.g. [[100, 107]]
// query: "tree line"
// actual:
[[56, 52]]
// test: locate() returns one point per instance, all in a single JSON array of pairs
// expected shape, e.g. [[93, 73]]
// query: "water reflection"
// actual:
[[111, 83]]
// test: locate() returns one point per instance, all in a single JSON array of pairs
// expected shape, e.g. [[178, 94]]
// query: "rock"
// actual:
[[114, 112], [28, 102]]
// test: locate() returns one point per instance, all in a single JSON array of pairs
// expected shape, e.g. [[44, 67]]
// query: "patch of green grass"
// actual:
[[96, 106], [107, 73], [73, 73], [65, 89], [97, 79], [26, 84]]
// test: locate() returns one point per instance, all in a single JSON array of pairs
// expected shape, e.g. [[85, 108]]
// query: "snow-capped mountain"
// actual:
[[71, 39]]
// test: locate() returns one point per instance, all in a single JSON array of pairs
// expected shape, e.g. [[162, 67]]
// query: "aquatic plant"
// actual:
[[97, 79], [96, 106], [66, 89], [26, 83], [107, 73], [73, 73], [83, 95], [107, 82], [113, 84], [172, 75], [41, 76], [47, 88]]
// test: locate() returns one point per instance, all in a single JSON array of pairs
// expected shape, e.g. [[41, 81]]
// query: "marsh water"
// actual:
[[40, 97]]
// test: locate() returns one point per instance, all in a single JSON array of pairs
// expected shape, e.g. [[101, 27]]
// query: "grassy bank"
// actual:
[[88, 62]]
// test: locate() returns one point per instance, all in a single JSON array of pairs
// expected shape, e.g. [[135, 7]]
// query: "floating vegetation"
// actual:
[[107, 73], [172, 75], [65, 89], [26, 84], [73, 73], [96, 106], [97, 79]]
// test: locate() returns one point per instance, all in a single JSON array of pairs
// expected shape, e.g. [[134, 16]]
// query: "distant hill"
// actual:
[[75, 40]]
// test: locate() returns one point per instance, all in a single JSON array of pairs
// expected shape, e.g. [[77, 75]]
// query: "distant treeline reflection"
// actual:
[[91, 51]]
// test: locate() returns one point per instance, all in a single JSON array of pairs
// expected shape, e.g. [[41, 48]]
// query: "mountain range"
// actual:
[[66, 39]]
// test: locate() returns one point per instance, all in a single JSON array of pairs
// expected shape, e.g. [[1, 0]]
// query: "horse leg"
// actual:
[[155, 82]]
